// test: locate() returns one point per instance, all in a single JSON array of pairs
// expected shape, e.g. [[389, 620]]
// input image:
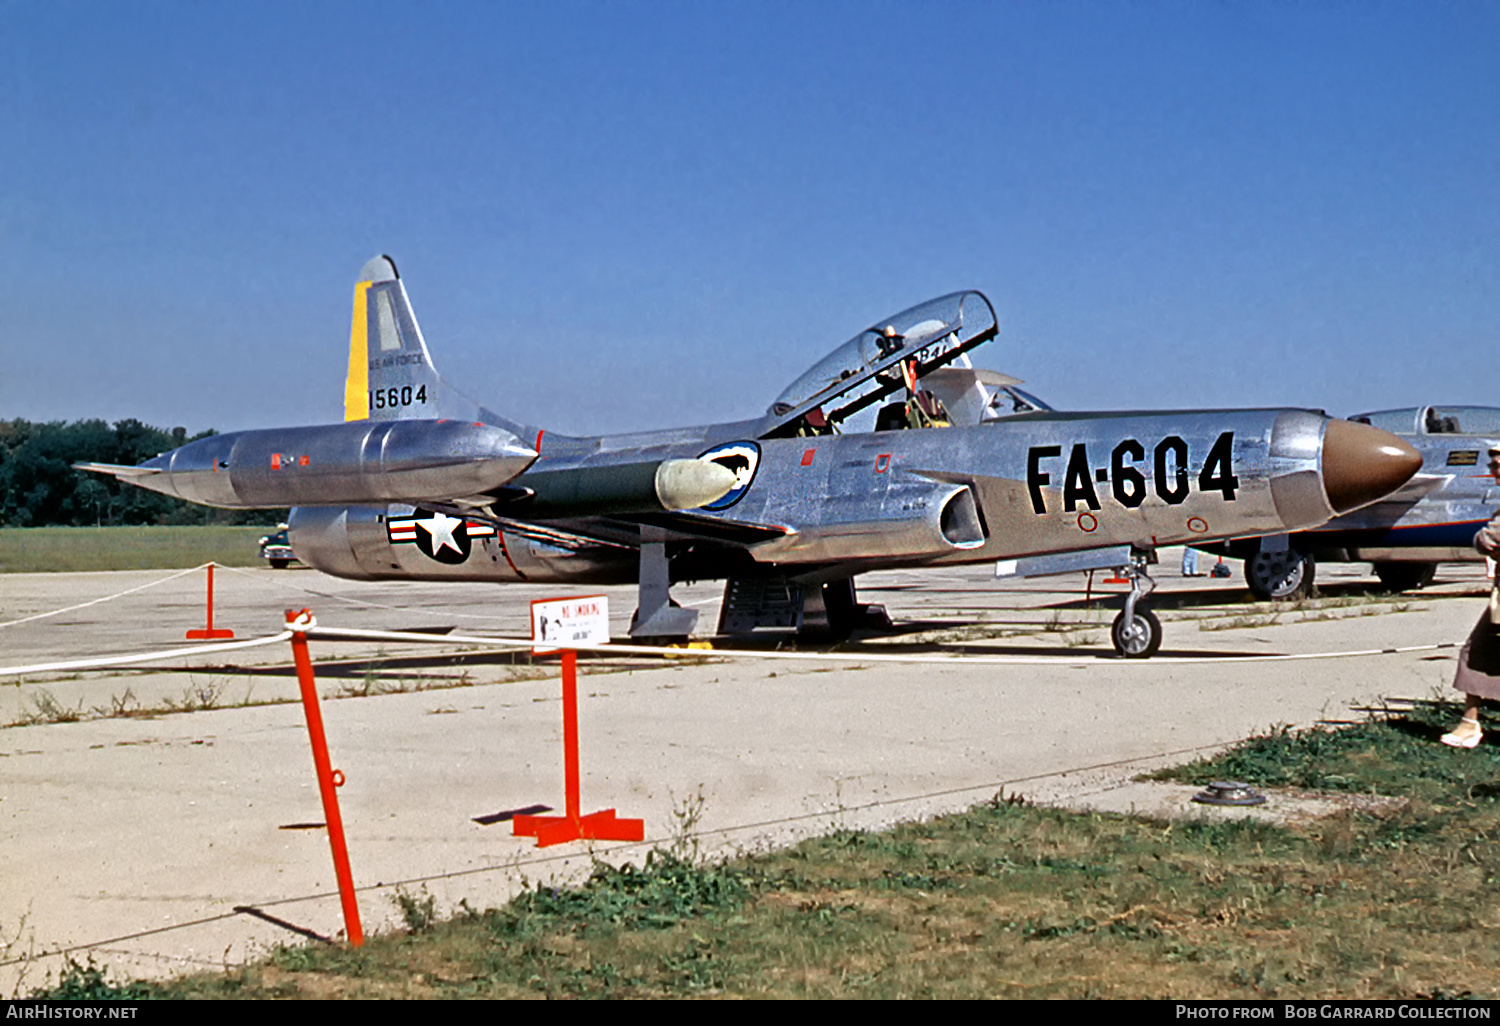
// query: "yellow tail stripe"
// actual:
[[357, 383]]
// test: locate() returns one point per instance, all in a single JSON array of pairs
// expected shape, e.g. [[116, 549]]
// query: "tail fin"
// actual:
[[391, 376]]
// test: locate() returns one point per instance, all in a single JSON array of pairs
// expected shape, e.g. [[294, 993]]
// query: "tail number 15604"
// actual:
[[394, 398]]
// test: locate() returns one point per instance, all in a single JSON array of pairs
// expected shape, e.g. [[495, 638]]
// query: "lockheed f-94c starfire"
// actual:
[[893, 451]]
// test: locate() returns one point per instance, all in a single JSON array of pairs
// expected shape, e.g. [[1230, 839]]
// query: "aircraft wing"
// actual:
[[710, 529], [619, 532]]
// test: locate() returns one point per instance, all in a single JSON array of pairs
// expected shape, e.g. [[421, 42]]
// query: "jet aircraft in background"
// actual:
[[1429, 520], [892, 451]]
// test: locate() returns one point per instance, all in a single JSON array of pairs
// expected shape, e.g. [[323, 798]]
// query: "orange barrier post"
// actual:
[[596, 826], [572, 806], [209, 632], [328, 778]]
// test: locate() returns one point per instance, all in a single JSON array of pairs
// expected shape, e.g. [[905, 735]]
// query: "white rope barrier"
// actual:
[[108, 598], [282, 583], [317, 633], [101, 662], [351, 634]]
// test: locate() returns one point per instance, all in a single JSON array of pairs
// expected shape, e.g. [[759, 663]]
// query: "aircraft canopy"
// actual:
[[1435, 420], [869, 366]]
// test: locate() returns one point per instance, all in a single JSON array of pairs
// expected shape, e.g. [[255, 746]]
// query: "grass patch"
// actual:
[[1006, 900], [1395, 754], [1310, 611], [69, 549], [87, 982], [1003, 901], [40, 706]]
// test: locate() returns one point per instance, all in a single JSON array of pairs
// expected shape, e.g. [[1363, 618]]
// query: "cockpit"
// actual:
[[1435, 420], [911, 370]]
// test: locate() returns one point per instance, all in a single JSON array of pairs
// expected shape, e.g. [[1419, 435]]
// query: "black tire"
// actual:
[[1140, 643], [279, 564], [1280, 576], [1405, 576]]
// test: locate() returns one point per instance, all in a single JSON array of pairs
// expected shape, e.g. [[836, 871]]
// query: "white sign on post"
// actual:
[[581, 621]]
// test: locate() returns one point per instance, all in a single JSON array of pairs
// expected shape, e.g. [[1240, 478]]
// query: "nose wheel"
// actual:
[[1136, 632], [1137, 636]]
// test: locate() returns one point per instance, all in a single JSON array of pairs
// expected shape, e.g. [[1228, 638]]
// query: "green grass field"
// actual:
[[1387, 900], [64, 549]]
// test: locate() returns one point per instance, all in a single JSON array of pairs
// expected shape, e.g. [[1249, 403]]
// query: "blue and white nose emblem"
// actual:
[[741, 457]]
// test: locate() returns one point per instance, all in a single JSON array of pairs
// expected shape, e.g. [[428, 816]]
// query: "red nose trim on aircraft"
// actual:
[[1362, 463]]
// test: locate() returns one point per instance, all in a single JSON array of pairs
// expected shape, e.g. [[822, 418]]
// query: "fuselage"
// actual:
[[842, 504]]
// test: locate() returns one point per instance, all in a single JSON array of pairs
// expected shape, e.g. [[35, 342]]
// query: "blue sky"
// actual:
[[618, 216]]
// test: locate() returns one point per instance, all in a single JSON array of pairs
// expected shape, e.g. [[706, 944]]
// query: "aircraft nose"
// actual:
[[1362, 463]]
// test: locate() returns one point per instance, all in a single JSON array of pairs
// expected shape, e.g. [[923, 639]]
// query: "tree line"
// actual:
[[40, 488]]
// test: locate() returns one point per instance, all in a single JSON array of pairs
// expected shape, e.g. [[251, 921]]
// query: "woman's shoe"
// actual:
[[1466, 735]]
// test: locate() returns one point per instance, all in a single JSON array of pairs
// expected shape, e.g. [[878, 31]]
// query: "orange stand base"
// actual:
[[209, 633], [596, 826]]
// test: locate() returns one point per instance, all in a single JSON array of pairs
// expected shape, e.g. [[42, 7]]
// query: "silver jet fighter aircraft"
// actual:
[[1429, 520], [893, 451]]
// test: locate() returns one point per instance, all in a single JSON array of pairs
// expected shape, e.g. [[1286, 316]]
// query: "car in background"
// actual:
[[276, 550]]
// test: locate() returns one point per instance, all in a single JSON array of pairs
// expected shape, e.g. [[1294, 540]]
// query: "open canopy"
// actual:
[[878, 361]]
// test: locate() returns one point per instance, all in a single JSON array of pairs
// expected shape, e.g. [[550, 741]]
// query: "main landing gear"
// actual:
[[657, 619], [1286, 575], [1136, 632]]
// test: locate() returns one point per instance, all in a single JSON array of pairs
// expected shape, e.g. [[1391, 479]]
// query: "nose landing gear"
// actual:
[[1136, 632]]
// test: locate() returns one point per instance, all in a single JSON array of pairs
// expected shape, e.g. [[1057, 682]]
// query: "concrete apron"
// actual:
[[133, 841]]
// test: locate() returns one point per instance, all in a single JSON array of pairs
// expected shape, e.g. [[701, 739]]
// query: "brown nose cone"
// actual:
[[1362, 463]]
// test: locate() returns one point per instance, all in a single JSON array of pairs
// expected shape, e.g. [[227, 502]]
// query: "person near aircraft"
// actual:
[[1478, 675]]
